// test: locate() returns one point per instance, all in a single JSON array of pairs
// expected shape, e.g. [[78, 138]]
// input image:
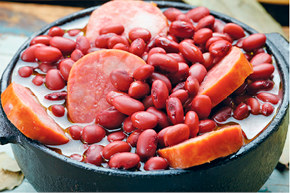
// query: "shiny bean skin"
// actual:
[[223, 36], [56, 96], [190, 52], [222, 114], [180, 75], [191, 85], [83, 44], [137, 47], [25, 71], [76, 55], [147, 144], [206, 125], [267, 109], [261, 58], [183, 17], [148, 102], [168, 45], [158, 76], [54, 80], [176, 134], [55, 31], [162, 118], [117, 39], [156, 163], [259, 85], [208, 60], [58, 110], [151, 43], [144, 120], [220, 48], [128, 125], [211, 41], [268, 97], [41, 39], [178, 57], [133, 137], [156, 50], [47, 54], [171, 13], [159, 93], [139, 32], [192, 121], [181, 94], [218, 26], [239, 43], [45, 67], [160, 137], [38, 80], [124, 160], [254, 105], [115, 147], [75, 132], [77, 157], [262, 71], [179, 86], [202, 35], [92, 134], [112, 28], [28, 53], [182, 29], [198, 71], [254, 41], [242, 89], [116, 136], [93, 155], [143, 72], [127, 105], [241, 111], [121, 46], [174, 110], [112, 94], [234, 30], [110, 118], [206, 22], [65, 45], [197, 13], [201, 104], [163, 63], [73, 32], [102, 40], [121, 79], [138, 89]]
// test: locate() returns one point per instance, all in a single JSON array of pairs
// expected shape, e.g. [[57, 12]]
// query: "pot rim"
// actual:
[[272, 127]]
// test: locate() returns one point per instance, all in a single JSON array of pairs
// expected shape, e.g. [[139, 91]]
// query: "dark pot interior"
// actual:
[[246, 170]]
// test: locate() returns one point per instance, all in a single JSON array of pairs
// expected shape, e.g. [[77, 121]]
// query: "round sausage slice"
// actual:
[[89, 82], [130, 14]]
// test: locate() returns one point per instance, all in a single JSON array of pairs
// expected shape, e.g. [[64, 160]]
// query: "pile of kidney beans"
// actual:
[[157, 106]]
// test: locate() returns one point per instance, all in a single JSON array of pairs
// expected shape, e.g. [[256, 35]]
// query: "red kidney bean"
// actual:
[[248, 56], [181, 29], [163, 63], [156, 50], [162, 118], [211, 41], [144, 120], [75, 132], [178, 57], [58, 110], [191, 85], [262, 71], [54, 80], [268, 97], [198, 71], [124, 160], [138, 89], [116, 136], [45, 67], [206, 125], [112, 94], [176, 134], [183, 17], [41, 39], [137, 47], [241, 111], [234, 30], [258, 51], [56, 96], [181, 94], [25, 71], [93, 155], [65, 45], [76, 55], [190, 41], [47, 54], [139, 32], [102, 40], [267, 109], [147, 144], [228, 101], [201, 104], [121, 79], [254, 105], [171, 13], [168, 45], [77, 157], [128, 125], [172, 37], [180, 75], [197, 13], [115, 147], [110, 118], [179, 86], [174, 110], [83, 44], [151, 43], [159, 93], [190, 52], [259, 85], [117, 39], [112, 28], [143, 72], [202, 35], [220, 48], [254, 41], [241, 98], [133, 137], [93, 49], [93, 134], [158, 76], [127, 105], [73, 32], [28, 53], [160, 137], [222, 114], [55, 31], [192, 121], [148, 102], [121, 46], [208, 60], [261, 58], [242, 89], [206, 22], [239, 43], [156, 163], [38, 80], [218, 26], [223, 36]]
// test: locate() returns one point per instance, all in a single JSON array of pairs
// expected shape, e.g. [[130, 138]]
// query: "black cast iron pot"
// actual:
[[246, 170]]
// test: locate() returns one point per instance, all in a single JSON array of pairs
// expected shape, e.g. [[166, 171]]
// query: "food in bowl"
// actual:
[[166, 96]]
